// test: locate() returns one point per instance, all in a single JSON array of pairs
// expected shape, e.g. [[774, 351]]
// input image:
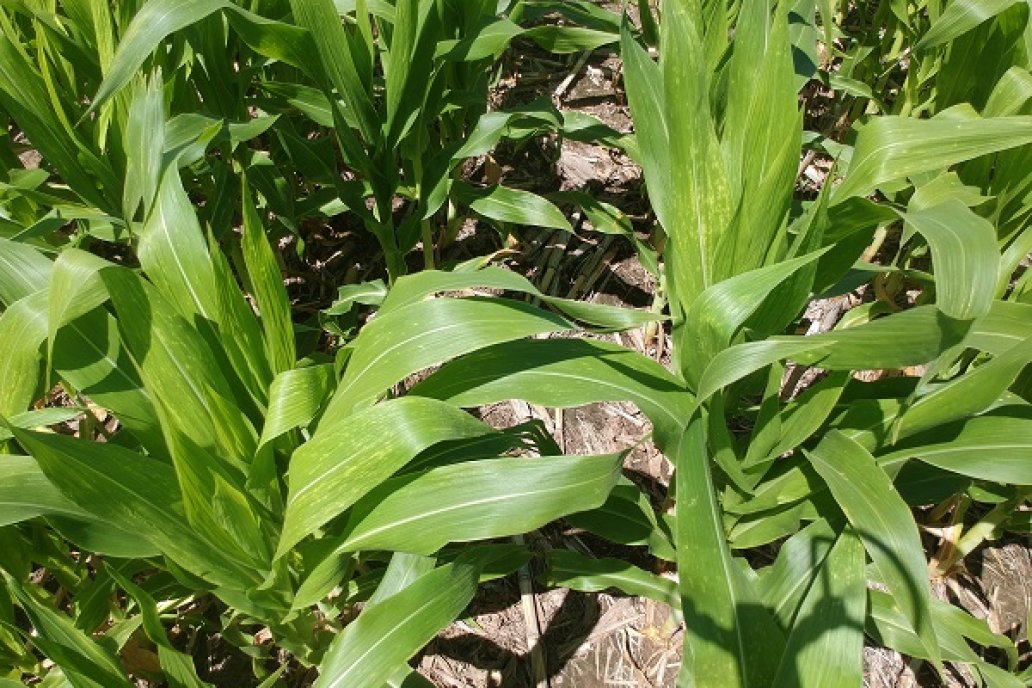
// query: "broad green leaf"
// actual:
[[504, 204], [883, 521], [826, 643], [134, 493], [760, 137], [23, 271], [413, 288], [968, 394], [627, 518], [569, 39], [144, 145], [478, 500], [891, 148], [913, 337], [645, 93], [24, 326], [75, 290], [715, 316], [369, 650], [37, 418], [394, 345], [332, 42], [26, 493], [89, 356], [563, 373], [32, 102], [964, 257], [991, 447], [174, 254], [178, 367], [487, 40], [800, 559], [295, 398], [730, 639], [578, 572], [960, 16], [699, 198], [349, 457]]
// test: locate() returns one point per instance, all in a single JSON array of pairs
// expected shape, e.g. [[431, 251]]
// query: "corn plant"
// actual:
[[279, 486], [834, 473], [227, 477], [399, 90]]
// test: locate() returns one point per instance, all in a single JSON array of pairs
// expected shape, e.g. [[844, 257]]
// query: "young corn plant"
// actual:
[[288, 487], [834, 473], [331, 109]]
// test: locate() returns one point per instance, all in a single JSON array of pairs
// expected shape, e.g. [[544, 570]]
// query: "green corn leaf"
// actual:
[[964, 256], [133, 493], [174, 254], [385, 635], [882, 520], [488, 40], [800, 559], [88, 355], [396, 344], [177, 666], [24, 326], [75, 290], [478, 500], [578, 572], [959, 17], [25, 493], [409, 65], [563, 373], [917, 335], [699, 200], [86, 664], [717, 314], [177, 366], [826, 643], [144, 145], [510, 205], [240, 333], [337, 60], [349, 457], [295, 398], [158, 19], [991, 447], [891, 148], [23, 271], [730, 638], [645, 93], [413, 288], [569, 39], [1006, 325], [761, 136], [627, 518], [967, 394], [43, 417], [25, 96], [270, 293]]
